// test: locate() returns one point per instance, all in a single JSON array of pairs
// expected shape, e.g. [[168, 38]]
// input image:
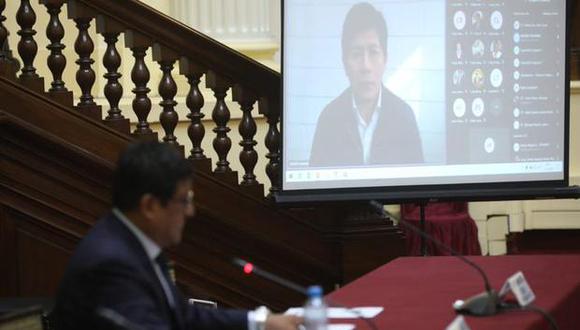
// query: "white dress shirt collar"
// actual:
[[367, 130], [151, 248]]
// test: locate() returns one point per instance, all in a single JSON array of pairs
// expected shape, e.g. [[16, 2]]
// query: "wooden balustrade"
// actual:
[[171, 44]]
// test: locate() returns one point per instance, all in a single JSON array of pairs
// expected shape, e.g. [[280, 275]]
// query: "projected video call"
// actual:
[[386, 93]]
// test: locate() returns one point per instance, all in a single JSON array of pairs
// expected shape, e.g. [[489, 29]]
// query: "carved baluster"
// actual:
[[6, 61], [247, 129], [55, 32], [141, 103], [3, 31], [82, 15], [194, 101], [270, 107], [27, 47], [140, 77], [113, 89], [167, 90], [85, 75], [111, 29], [221, 116]]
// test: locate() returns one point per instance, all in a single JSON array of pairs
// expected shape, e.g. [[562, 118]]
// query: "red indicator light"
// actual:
[[248, 268]]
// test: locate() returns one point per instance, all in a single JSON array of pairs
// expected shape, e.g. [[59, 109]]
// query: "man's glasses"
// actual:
[[185, 201]]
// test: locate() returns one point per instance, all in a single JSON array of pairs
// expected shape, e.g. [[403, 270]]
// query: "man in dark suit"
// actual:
[[118, 276], [367, 124]]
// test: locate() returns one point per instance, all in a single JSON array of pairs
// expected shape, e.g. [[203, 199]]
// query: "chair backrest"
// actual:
[[411, 211], [29, 318]]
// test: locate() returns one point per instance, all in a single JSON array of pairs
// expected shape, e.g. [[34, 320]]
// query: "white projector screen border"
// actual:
[[440, 173]]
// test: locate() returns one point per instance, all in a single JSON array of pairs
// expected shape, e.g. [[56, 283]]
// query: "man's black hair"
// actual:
[[148, 168], [360, 18]]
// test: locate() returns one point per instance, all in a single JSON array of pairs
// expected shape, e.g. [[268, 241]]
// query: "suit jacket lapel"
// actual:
[[350, 122], [384, 125], [138, 251]]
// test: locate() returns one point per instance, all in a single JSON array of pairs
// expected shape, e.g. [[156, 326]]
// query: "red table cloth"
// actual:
[[417, 292]]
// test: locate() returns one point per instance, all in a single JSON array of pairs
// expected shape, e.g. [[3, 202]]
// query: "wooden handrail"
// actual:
[[174, 35]]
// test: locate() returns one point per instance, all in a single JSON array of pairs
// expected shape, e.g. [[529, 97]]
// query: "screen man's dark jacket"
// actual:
[[395, 140], [111, 269]]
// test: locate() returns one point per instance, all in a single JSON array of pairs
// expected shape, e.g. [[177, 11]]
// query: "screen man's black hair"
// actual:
[[360, 18], [148, 168]]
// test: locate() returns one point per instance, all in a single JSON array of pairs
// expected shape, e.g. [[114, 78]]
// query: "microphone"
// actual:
[[483, 304], [250, 268]]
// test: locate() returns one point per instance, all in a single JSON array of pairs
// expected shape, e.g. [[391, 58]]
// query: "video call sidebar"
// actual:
[[505, 89]]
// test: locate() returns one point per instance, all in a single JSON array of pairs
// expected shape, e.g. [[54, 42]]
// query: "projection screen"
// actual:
[[416, 94]]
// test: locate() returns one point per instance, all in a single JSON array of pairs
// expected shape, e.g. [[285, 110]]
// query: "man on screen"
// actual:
[[367, 124]]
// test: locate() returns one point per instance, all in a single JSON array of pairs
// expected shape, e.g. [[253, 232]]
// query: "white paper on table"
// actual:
[[336, 326], [342, 313], [340, 326]]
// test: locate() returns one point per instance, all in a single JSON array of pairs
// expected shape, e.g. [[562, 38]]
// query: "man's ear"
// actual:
[[148, 206]]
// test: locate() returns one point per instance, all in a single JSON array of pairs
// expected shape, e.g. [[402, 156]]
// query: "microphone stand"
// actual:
[[249, 268], [483, 304]]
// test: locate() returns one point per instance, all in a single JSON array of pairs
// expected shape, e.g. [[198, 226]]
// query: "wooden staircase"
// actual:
[[58, 151]]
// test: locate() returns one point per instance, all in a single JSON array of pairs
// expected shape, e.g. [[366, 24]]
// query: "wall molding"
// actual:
[[575, 87]]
